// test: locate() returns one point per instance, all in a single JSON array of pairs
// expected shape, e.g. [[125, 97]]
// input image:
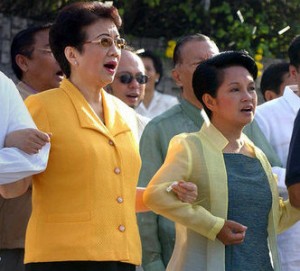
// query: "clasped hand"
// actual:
[[28, 140], [185, 191], [232, 233]]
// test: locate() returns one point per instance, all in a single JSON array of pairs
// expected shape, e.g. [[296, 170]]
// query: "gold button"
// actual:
[[110, 142], [117, 170], [120, 200], [122, 228]]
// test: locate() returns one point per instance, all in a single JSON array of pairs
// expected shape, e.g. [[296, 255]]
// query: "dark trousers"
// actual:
[[12, 260], [80, 266]]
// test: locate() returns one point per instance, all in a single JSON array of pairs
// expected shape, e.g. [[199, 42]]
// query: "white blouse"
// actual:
[[159, 104]]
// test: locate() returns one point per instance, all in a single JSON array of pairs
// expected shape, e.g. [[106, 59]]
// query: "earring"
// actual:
[[75, 63]]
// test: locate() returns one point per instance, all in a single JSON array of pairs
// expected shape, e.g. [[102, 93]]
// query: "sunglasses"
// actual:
[[126, 78], [107, 42]]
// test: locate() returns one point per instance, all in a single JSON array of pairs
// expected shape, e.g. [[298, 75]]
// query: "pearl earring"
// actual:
[[75, 63]]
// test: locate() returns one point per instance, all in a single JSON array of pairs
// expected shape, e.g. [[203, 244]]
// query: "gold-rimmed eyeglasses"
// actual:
[[107, 42]]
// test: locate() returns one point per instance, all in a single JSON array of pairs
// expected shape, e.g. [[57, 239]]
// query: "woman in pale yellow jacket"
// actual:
[[234, 221]]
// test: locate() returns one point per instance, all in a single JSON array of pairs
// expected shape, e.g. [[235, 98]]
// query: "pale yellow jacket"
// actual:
[[198, 158], [84, 203]]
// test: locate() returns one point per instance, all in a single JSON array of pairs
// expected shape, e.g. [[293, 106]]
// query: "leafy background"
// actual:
[[170, 19]]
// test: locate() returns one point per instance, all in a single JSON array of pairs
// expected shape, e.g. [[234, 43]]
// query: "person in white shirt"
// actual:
[[16, 164], [29, 52], [276, 120], [154, 102], [274, 79]]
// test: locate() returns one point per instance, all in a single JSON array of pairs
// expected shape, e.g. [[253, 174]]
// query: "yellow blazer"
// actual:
[[197, 157], [84, 203]]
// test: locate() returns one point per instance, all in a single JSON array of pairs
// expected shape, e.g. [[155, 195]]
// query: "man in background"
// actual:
[[154, 102], [274, 79], [276, 119], [33, 62], [129, 83]]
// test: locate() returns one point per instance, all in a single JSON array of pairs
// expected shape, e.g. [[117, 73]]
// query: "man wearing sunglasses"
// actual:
[[129, 83]]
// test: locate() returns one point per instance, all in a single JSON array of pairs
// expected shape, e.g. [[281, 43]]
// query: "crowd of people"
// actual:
[[101, 171]]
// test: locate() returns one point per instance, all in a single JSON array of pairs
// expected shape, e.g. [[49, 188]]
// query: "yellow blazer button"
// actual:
[[117, 170], [120, 200], [122, 228], [110, 142]]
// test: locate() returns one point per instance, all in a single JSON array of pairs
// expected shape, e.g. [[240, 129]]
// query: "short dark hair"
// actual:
[[68, 28], [23, 44], [294, 52], [208, 75], [182, 41], [157, 63], [272, 77]]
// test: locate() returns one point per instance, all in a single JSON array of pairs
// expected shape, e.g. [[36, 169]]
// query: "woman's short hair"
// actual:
[[69, 27], [209, 75]]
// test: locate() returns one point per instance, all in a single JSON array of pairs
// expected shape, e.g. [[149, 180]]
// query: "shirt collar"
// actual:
[[292, 98], [114, 123], [192, 112]]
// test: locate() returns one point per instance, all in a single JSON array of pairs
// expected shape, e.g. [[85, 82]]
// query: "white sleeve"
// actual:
[[14, 163], [282, 189]]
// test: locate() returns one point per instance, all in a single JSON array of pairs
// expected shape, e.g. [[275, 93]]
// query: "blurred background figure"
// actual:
[[130, 80], [33, 62], [274, 79], [154, 102], [276, 119], [35, 66]]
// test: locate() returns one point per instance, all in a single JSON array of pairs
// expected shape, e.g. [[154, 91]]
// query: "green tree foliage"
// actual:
[[255, 29], [262, 20]]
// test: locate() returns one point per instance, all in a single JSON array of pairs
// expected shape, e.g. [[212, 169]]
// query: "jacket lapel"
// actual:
[[87, 118]]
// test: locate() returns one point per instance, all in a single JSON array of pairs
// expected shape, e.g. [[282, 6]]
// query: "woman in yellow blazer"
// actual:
[[234, 221], [83, 215]]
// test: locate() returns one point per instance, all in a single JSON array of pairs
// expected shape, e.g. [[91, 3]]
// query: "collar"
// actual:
[[217, 139], [214, 136], [114, 123], [292, 99], [191, 111], [25, 90]]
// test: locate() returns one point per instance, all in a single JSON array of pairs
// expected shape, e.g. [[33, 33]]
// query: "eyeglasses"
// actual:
[[107, 42], [126, 78]]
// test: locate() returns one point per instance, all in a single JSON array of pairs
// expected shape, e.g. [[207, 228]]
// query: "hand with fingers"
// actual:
[[28, 140], [232, 233], [185, 191]]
